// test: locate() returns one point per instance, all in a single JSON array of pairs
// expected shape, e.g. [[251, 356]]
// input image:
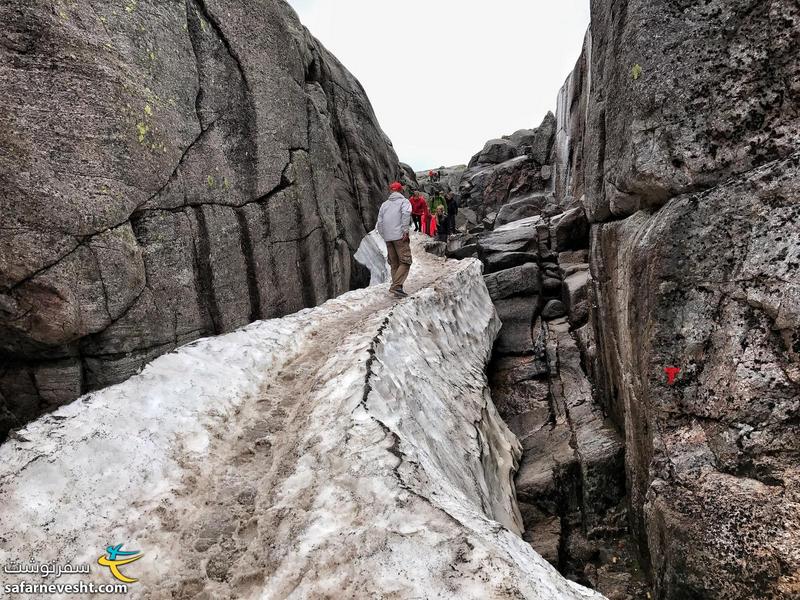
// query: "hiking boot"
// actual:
[[400, 293]]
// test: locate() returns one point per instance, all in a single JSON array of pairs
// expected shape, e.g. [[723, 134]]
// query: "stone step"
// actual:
[[524, 207], [522, 280], [516, 314]]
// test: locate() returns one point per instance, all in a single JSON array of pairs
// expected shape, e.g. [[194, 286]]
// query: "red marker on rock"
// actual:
[[671, 372]]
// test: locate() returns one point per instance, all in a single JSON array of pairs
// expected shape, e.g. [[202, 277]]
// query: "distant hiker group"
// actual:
[[435, 218]]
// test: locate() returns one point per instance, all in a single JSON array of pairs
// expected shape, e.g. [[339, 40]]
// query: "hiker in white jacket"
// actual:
[[394, 222]]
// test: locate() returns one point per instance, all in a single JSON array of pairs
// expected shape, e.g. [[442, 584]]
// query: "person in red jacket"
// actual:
[[432, 223], [418, 208]]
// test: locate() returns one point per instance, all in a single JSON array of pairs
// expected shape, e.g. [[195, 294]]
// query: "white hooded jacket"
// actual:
[[394, 217]]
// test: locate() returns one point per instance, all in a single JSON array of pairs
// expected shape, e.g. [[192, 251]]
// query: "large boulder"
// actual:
[[499, 261], [461, 245], [575, 295], [529, 206], [519, 236], [497, 151], [447, 181], [168, 170], [570, 230], [466, 218], [538, 142], [489, 188], [407, 177], [510, 169], [522, 280], [554, 309]]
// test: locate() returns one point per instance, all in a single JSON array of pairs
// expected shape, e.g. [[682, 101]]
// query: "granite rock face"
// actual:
[[447, 179], [674, 97], [571, 480], [677, 131], [168, 170], [528, 206], [495, 152], [534, 142], [571, 114], [525, 279], [709, 284]]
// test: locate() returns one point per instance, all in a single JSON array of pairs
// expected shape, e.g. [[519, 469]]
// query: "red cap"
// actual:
[[396, 186]]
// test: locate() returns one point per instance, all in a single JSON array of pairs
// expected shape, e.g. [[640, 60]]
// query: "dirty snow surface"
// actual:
[[347, 451]]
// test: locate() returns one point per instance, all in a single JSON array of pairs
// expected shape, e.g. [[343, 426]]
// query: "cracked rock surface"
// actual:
[[168, 170], [351, 450]]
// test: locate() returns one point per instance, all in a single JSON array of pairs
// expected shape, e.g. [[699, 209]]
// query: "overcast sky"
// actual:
[[444, 76]]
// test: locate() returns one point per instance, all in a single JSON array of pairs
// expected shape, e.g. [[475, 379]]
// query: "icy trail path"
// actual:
[[347, 451]]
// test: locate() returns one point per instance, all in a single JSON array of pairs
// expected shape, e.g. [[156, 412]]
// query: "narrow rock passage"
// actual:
[[571, 480], [347, 451]]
